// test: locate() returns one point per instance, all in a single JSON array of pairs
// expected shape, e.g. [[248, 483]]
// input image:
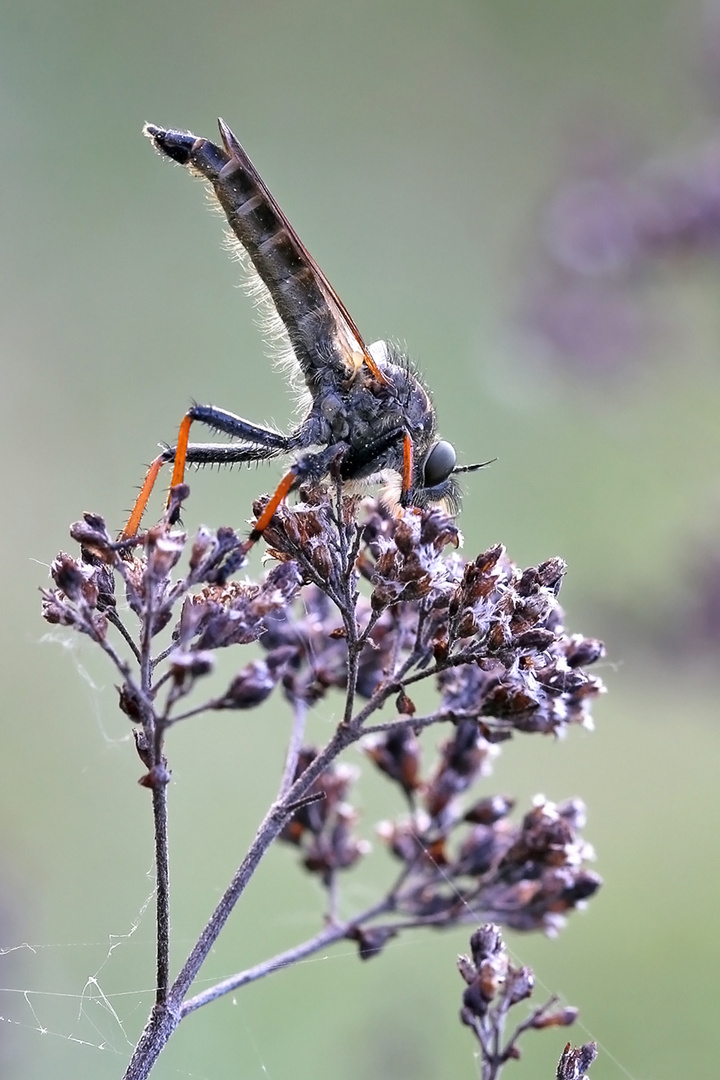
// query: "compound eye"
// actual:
[[439, 464]]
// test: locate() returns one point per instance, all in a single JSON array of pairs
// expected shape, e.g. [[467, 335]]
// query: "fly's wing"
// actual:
[[324, 339], [346, 334]]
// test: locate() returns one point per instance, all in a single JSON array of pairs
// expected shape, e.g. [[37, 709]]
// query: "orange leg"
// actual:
[[407, 470], [133, 523], [263, 521], [181, 451]]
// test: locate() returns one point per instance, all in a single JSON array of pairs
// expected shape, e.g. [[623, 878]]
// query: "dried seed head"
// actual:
[[92, 532], [575, 1061], [74, 579], [489, 810], [163, 550], [205, 545]]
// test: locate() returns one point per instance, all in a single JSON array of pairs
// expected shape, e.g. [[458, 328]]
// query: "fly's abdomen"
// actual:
[[288, 271]]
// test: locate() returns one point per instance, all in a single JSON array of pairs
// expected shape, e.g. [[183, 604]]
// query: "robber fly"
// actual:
[[368, 416]]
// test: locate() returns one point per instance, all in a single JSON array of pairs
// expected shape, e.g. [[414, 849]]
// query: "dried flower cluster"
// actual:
[[368, 603], [494, 986], [525, 875]]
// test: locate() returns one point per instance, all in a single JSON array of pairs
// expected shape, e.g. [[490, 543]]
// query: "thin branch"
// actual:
[[332, 884], [327, 936], [414, 723], [197, 710], [154, 732], [157, 660], [375, 614], [113, 618], [146, 631]]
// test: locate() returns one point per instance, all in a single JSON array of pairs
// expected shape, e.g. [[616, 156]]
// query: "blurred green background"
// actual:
[[414, 146]]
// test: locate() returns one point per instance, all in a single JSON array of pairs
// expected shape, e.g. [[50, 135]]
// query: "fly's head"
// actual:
[[434, 484]]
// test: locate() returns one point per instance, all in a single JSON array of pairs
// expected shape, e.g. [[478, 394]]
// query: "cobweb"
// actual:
[[89, 1018]]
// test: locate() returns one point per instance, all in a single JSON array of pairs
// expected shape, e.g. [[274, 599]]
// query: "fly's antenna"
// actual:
[[474, 468]]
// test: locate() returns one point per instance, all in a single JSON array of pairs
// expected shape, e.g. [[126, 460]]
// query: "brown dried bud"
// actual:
[[404, 705], [466, 968], [397, 754], [372, 940], [157, 776], [520, 984], [478, 851], [551, 573], [204, 545], [488, 811], [163, 550], [565, 1017], [256, 681], [463, 758], [55, 611], [92, 532], [72, 578], [486, 941], [582, 651], [491, 974], [130, 703], [186, 666], [537, 638], [438, 529]]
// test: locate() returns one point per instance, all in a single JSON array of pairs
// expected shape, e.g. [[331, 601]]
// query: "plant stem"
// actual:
[[162, 892], [165, 1017]]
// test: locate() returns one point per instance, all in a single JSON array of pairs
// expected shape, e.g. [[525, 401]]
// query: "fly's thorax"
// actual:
[[407, 387], [360, 414]]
